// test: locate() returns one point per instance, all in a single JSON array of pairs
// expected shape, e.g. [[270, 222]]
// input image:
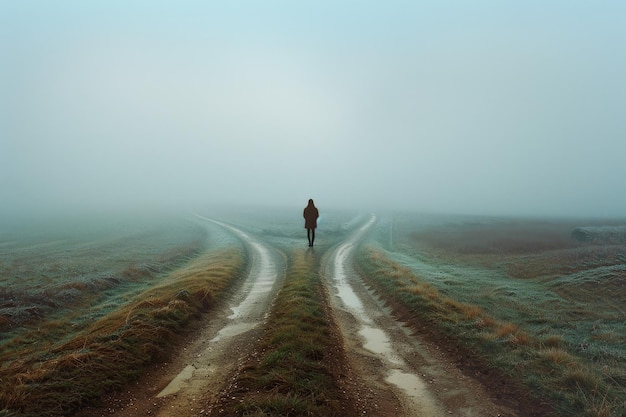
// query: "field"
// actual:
[[88, 304], [49, 269], [528, 296]]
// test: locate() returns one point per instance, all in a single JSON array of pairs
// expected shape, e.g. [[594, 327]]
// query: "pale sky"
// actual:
[[478, 107]]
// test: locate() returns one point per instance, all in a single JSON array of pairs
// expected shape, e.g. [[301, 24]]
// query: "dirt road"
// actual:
[[408, 376], [180, 388], [397, 372]]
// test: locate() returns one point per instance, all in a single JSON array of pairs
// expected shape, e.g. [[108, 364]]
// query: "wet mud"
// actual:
[[186, 385], [411, 378], [393, 372]]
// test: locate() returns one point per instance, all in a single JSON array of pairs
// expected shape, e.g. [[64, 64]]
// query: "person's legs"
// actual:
[[312, 236], [308, 236]]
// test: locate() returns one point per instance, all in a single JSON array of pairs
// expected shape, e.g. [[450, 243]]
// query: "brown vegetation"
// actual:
[[298, 365], [557, 329], [53, 378]]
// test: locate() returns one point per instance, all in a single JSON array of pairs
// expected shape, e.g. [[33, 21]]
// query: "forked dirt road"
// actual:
[[395, 372]]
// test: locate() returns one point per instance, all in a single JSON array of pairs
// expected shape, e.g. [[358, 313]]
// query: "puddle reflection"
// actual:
[[415, 388], [266, 277], [375, 339]]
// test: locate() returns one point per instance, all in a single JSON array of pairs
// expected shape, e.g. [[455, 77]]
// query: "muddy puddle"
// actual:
[[373, 337], [247, 310], [259, 288]]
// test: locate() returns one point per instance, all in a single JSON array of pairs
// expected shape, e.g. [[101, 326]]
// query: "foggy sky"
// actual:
[[479, 107]]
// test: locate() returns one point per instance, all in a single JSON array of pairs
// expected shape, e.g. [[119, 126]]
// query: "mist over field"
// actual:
[[483, 107], [467, 159]]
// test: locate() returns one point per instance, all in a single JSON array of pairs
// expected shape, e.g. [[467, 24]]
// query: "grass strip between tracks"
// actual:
[[120, 346], [295, 369], [544, 364]]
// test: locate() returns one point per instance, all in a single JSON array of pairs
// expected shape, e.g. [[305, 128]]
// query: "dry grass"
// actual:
[[54, 380], [503, 237], [526, 249], [554, 341], [557, 357], [548, 363], [507, 329], [295, 371]]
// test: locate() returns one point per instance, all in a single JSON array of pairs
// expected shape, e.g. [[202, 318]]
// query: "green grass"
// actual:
[[55, 379], [295, 373]]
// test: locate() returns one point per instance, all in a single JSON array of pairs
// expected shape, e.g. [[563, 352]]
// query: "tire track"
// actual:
[[407, 376], [195, 377]]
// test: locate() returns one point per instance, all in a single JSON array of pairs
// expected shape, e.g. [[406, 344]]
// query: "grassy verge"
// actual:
[[64, 274], [118, 347], [295, 370], [544, 363]]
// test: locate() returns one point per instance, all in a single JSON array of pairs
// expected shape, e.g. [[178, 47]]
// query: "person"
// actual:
[[310, 215]]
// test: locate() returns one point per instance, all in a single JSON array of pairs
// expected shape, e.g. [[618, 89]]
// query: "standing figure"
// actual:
[[310, 221]]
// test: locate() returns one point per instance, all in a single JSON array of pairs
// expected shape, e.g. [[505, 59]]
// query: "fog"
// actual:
[[481, 107]]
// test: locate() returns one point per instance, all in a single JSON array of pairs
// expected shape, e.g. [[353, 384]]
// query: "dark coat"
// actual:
[[310, 217]]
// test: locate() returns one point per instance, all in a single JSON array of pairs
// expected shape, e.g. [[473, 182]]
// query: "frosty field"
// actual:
[[106, 298], [60, 269], [558, 300]]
